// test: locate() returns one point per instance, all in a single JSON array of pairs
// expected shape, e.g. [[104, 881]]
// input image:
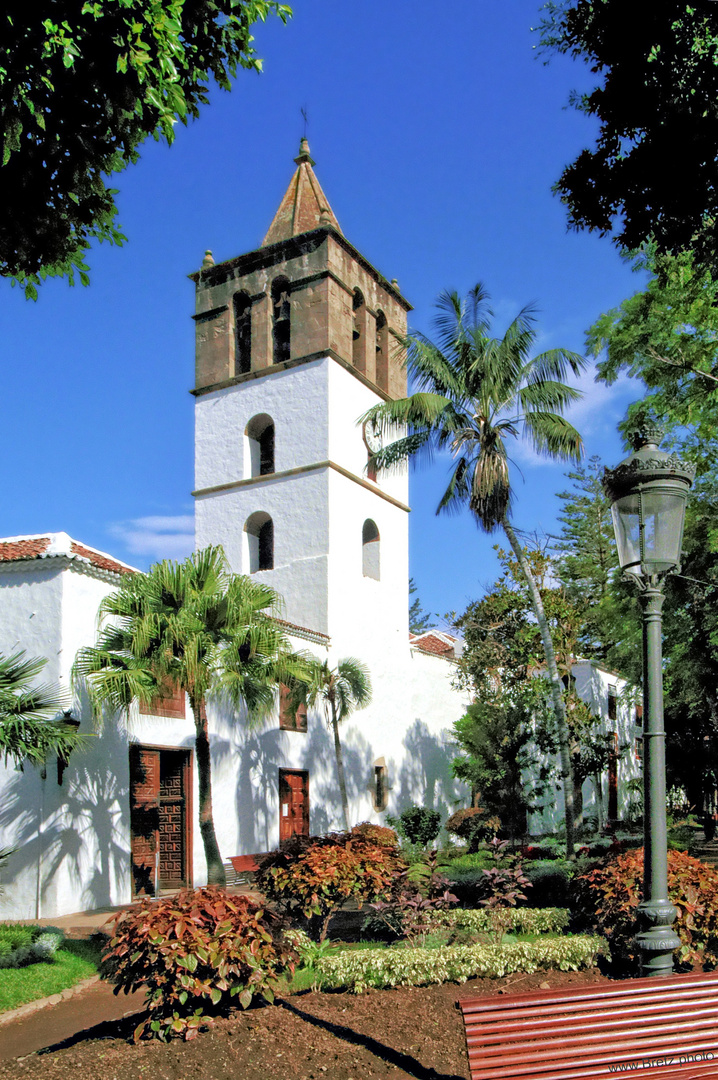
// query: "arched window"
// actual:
[[281, 331], [259, 530], [382, 352], [260, 436], [370, 549], [358, 341], [242, 333]]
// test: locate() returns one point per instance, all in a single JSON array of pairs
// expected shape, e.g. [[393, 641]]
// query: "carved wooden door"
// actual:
[[159, 818], [293, 803], [144, 818], [173, 819]]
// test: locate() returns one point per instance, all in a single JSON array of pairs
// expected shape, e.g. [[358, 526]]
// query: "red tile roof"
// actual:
[[12, 550], [21, 548], [97, 558], [434, 643]]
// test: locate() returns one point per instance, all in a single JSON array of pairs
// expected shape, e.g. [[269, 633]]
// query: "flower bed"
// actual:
[[511, 920]]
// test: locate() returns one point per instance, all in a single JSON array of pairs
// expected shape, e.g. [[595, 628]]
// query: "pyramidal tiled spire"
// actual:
[[304, 206]]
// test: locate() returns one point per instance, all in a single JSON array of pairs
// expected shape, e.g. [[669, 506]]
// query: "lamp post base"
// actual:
[[658, 940]]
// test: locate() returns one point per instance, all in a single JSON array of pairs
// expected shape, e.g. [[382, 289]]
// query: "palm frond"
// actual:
[[552, 434]]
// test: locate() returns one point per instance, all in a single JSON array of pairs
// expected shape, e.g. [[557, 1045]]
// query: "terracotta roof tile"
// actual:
[[12, 550], [97, 558], [432, 643]]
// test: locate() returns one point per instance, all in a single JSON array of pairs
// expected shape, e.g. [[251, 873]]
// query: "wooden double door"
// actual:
[[160, 818]]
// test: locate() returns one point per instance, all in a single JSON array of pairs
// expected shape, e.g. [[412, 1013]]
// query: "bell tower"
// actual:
[[294, 342]]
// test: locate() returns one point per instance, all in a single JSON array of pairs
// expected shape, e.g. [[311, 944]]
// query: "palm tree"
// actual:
[[475, 392], [197, 627], [340, 690], [30, 728]]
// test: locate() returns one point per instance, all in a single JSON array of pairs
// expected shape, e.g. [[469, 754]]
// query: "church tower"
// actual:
[[295, 341]]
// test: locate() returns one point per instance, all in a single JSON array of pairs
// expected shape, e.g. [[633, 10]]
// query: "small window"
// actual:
[[380, 792], [260, 433], [242, 334], [171, 703], [290, 720], [259, 530], [358, 341], [382, 352], [612, 703], [281, 329], [370, 550]]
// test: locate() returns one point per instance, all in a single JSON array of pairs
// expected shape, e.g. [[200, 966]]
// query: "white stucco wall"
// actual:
[[592, 685]]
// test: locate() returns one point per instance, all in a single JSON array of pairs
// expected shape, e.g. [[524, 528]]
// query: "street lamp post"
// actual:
[[648, 493]]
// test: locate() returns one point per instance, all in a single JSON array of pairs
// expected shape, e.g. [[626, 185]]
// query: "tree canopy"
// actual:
[[197, 627], [667, 336], [82, 85], [651, 173]]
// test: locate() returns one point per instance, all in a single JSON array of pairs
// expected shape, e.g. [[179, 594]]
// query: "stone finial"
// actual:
[[325, 216], [304, 154], [395, 284], [208, 260]]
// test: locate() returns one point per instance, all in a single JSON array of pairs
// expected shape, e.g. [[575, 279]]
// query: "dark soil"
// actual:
[[412, 1032]]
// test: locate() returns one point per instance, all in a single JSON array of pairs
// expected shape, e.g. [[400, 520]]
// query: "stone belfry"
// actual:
[[294, 342]]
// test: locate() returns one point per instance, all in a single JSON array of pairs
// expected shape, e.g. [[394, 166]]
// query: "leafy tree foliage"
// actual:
[[667, 336], [419, 620], [32, 724], [82, 85], [496, 737], [651, 173], [475, 393], [586, 563], [195, 626]]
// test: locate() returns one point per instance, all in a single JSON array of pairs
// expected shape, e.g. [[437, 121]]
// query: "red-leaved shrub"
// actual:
[[609, 894], [315, 875], [202, 947], [378, 833]]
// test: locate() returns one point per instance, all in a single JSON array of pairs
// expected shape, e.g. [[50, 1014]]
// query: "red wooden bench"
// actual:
[[241, 868], [659, 1027]]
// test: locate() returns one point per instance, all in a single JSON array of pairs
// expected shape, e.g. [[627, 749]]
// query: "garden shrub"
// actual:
[[418, 824], [608, 896], [520, 920], [504, 881], [313, 876], [473, 825], [550, 881], [200, 948], [416, 894], [380, 834], [23, 945], [362, 968]]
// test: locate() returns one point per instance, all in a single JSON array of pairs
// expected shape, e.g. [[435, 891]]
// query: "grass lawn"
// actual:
[[75, 961]]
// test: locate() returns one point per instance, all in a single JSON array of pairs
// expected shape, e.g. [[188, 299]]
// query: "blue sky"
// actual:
[[437, 134]]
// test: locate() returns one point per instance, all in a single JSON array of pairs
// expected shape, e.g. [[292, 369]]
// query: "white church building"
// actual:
[[294, 342]]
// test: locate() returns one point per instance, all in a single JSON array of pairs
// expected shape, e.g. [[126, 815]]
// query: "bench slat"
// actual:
[[644, 1025]]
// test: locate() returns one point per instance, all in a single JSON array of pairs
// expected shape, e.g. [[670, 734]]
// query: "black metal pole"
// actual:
[[656, 939]]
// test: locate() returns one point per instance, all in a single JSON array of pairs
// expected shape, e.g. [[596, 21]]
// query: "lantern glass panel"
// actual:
[[626, 526], [662, 513]]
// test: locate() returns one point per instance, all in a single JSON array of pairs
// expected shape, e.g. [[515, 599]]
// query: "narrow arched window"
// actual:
[[370, 549], [358, 340], [259, 530], [242, 334], [281, 328], [260, 438], [382, 352]]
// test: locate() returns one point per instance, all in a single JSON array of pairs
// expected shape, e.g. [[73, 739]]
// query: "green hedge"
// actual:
[[380, 968], [522, 920]]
